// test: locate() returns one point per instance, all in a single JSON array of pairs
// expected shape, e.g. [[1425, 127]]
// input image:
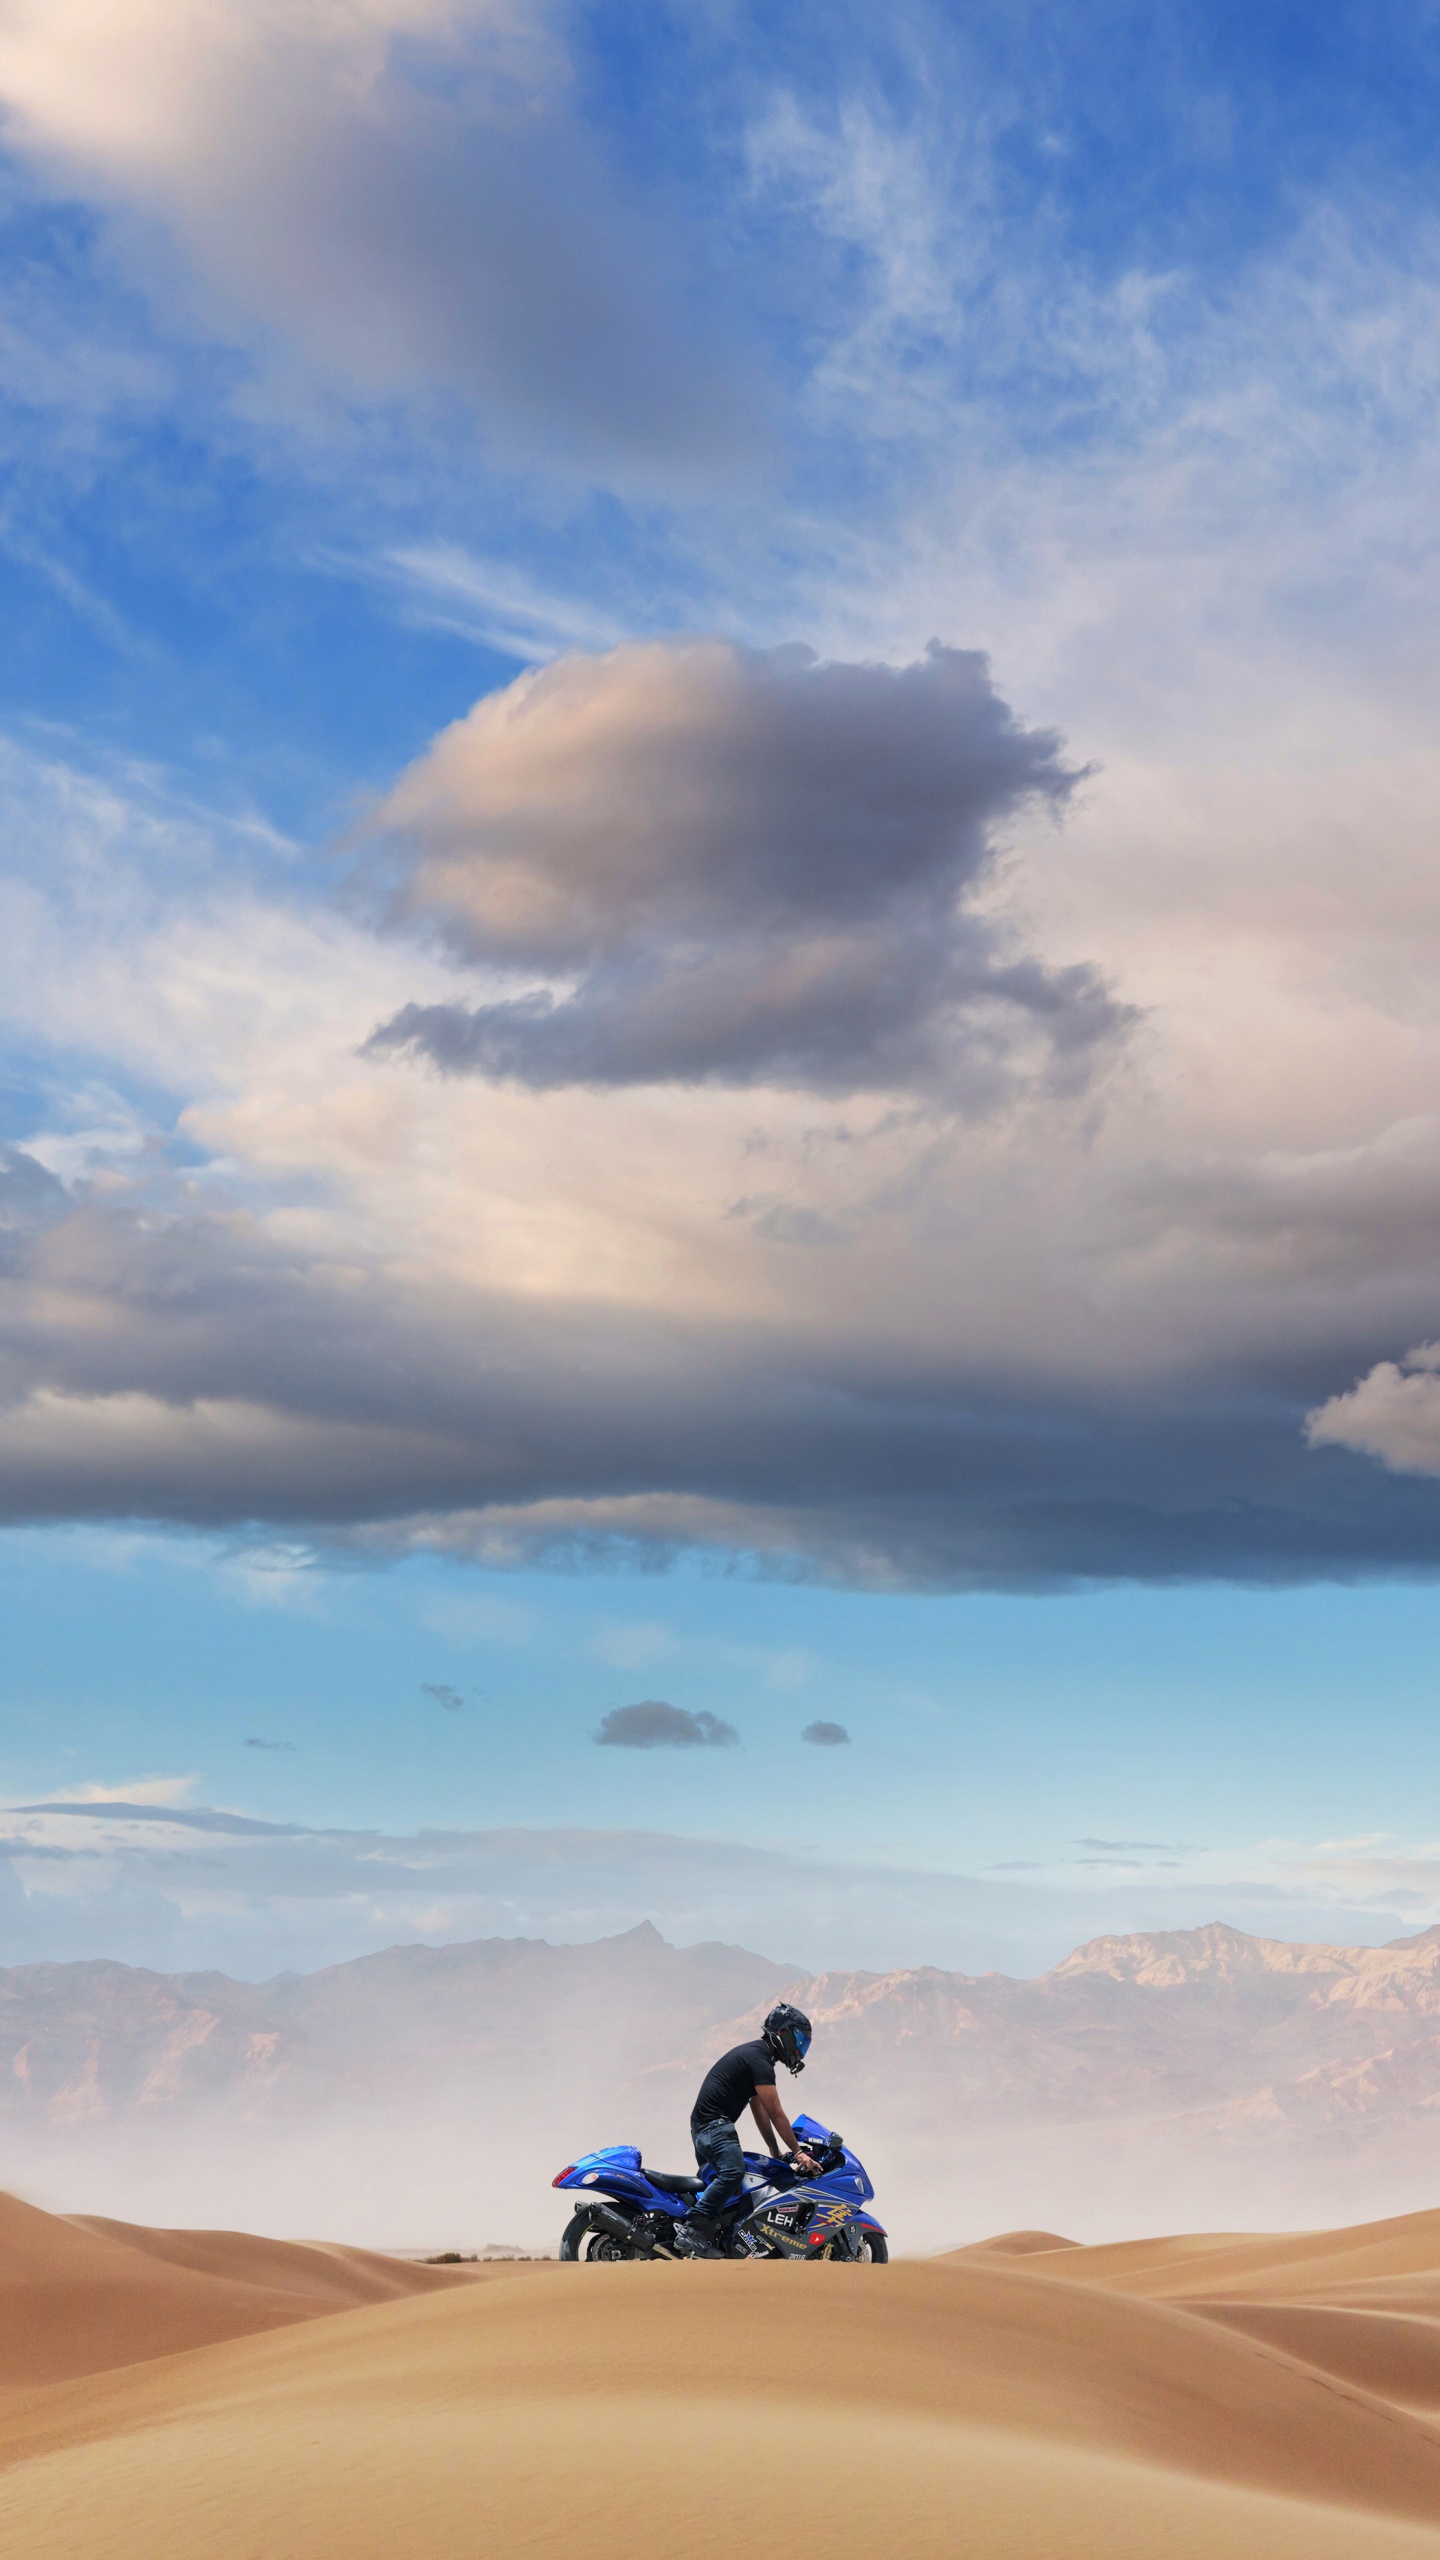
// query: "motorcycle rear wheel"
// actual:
[[581, 2244]]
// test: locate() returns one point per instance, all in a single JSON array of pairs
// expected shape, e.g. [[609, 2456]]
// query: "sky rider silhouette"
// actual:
[[745, 2076]]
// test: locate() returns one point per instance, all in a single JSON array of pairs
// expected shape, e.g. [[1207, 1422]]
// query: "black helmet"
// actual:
[[787, 2036]]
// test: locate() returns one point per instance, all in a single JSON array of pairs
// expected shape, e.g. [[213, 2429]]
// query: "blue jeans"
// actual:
[[721, 2163]]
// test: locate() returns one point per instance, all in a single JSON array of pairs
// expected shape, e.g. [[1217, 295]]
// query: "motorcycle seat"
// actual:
[[674, 2186]]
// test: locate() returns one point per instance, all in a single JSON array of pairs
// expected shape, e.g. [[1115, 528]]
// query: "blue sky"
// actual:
[[588, 1117]]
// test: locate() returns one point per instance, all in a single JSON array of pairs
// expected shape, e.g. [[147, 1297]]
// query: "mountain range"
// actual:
[[1168, 2076]]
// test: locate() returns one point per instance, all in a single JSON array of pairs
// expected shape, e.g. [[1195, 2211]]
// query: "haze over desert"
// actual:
[[425, 2096]]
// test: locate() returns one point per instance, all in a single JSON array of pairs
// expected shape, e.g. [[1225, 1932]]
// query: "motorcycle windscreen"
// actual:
[[854, 2176], [810, 2131]]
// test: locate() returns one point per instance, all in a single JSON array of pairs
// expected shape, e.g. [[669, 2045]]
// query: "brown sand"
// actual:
[[76, 2296], [1362, 2305], [1032, 2403]]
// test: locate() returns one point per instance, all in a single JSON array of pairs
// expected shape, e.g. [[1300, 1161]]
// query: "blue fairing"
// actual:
[[619, 2173], [849, 2180]]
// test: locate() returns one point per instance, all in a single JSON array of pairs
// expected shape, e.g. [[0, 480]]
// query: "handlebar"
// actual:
[[824, 2157]]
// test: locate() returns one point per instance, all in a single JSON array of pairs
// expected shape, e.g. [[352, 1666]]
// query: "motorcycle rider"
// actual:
[[743, 2076]]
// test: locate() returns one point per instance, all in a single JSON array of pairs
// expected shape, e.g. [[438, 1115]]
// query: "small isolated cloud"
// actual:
[[707, 864], [443, 1695], [652, 1724], [259, 1742], [1392, 1414], [828, 1736]]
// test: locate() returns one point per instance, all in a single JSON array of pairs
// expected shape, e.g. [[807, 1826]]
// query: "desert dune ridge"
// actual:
[[165, 2392]]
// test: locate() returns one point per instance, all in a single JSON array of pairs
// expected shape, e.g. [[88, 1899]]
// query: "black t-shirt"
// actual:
[[731, 2083]]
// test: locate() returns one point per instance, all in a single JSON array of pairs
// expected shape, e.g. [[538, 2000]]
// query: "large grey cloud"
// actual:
[[190, 1368], [744, 867], [391, 1310]]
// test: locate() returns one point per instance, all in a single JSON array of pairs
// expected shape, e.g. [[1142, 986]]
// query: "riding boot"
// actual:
[[696, 2237]]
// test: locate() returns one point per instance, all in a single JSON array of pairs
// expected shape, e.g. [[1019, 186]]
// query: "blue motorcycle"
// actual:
[[629, 2211]]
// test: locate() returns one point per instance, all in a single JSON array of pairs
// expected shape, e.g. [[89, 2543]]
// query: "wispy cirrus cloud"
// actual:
[[496, 602]]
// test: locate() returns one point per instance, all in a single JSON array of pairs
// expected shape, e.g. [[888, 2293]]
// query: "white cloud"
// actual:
[[1392, 1414], [496, 603], [149, 1791], [400, 191], [279, 1574]]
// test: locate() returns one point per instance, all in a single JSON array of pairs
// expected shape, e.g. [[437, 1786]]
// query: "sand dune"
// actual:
[[1270, 2266], [1362, 2305], [78, 2296], [1004, 2403]]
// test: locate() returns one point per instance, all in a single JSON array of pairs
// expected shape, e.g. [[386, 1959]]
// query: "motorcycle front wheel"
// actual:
[[871, 2251], [581, 2243]]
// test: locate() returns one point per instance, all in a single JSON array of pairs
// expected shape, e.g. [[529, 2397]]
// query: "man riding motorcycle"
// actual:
[[745, 2076]]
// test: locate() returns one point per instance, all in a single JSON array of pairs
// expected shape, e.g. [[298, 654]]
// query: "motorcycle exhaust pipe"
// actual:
[[617, 2228]]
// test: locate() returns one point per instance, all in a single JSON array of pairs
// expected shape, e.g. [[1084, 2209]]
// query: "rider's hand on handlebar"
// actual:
[[804, 2163]]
